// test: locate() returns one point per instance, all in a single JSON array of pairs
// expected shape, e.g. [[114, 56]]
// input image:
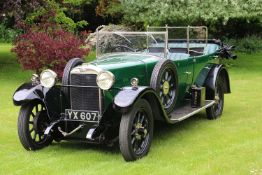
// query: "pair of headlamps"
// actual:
[[104, 80]]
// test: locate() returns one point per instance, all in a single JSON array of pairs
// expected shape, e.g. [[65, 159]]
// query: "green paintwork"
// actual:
[[125, 66]]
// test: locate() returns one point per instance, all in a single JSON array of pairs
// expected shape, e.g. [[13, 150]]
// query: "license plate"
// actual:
[[84, 116]]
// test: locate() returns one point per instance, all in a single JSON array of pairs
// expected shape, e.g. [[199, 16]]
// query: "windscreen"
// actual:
[[134, 42]]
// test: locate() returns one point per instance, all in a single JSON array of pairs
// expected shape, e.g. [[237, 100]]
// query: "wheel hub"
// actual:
[[139, 125], [166, 87], [141, 132], [217, 99]]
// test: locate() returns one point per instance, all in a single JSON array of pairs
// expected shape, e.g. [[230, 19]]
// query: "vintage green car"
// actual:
[[138, 78]]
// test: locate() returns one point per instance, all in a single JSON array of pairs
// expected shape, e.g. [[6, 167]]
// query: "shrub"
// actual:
[[47, 44], [38, 50], [7, 35], [249, 44]]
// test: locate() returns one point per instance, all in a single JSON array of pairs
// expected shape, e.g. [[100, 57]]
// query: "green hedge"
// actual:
[[249, 44], [7, 35]]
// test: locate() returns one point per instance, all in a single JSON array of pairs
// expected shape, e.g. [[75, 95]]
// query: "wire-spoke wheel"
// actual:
[[139, 134], [167, 91], [32, 122], [164, 81], [136, 131], [216, 110]]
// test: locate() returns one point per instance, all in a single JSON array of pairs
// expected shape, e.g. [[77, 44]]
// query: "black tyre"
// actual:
[[164, 80], [136, 131], [66, 74], [32, 122], [216, 110]]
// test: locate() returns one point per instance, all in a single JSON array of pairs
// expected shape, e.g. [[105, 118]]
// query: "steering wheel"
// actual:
[[122, 46]]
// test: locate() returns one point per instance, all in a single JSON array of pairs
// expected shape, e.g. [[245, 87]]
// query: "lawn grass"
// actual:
[[230, 145]]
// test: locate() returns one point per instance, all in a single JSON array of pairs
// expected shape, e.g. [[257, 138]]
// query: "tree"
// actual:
[[23, 12], [18, 10], [112, 8], [191, 12]]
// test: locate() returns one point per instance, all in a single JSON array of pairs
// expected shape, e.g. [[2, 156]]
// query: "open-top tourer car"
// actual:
[[138, 78]]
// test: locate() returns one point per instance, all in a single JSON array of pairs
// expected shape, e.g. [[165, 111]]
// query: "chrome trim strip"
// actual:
[[187, 39], [100, 101], [86, 68], [70, 92], [138, 33]]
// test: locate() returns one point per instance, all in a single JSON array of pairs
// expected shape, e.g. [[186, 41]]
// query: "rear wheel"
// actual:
[[32, 122], [216, 110], [136, 131]]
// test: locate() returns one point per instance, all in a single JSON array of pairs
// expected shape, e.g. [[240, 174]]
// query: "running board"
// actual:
[[186, 111]]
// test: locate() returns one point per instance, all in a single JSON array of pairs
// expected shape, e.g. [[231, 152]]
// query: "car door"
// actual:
[[184, 66], [190, 71]]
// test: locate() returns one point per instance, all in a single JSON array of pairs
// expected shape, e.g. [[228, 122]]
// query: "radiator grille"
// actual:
[[84, 98]]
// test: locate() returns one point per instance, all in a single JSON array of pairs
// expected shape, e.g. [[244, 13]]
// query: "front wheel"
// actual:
[[136, 131], [32, 122]]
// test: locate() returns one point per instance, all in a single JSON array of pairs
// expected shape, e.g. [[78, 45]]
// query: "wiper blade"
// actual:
[[122, 36], [151, 36]]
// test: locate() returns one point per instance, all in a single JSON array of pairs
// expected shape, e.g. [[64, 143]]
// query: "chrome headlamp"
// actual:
[[105, 80], [48, 78]]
